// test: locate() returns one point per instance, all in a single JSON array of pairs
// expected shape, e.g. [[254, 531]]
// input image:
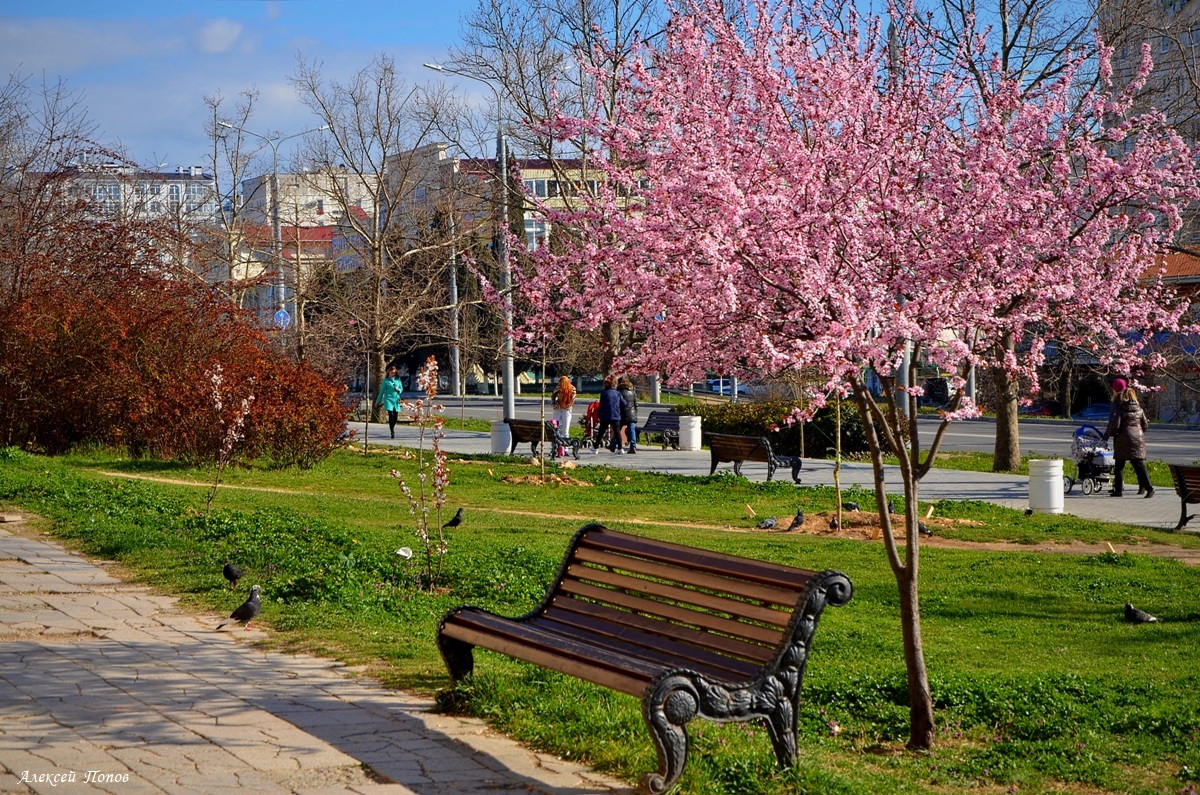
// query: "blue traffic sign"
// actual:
[[282, 319]]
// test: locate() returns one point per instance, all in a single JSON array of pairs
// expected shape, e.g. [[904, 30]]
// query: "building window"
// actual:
[[174, 196], [535, 234]]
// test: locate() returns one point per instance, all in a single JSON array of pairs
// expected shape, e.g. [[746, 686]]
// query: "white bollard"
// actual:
[[689, 432], [501, 437], [1046, 485]]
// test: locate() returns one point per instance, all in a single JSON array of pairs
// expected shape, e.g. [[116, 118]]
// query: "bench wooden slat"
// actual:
[[684, 615], [524, 642], [653, 649], [773, 574], [740, 649], [675, 593], [690, 577]]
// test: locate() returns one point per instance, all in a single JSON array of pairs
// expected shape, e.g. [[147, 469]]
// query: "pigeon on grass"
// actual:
[[923, 530], [1135, 616], [233, 573], [245, 612], [849, 506], [767, 524], [797, 522], [456, 521]]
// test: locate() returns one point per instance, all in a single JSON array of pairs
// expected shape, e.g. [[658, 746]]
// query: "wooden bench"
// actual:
[[534, 431], [688, 631], [1187, 486], [727, 447], [665, 424]]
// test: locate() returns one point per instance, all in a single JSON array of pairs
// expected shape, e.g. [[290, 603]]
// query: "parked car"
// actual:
[[1039, 408], [1097, 412]]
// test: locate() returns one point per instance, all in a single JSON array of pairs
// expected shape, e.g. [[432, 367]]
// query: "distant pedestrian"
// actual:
[[389, 397], [629, 413], [1127, 428], [611, 404], [563, 401]]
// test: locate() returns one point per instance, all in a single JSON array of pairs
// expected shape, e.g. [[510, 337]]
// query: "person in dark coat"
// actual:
[[1127, 428], [611, 404], [629, 416]]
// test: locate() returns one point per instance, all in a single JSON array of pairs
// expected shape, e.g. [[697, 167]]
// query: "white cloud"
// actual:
[[218, 36]]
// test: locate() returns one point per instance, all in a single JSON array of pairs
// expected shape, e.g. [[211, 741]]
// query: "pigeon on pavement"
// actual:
[[456, 521], [245, 612], [767, 524], [233, 573], [797, 522], [1135, 616]]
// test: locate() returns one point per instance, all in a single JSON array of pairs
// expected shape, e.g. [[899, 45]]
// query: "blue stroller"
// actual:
[[1094, 462]]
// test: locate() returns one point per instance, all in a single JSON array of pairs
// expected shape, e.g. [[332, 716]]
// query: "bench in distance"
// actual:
[[688, 631], [663, 423], [1187, 486], [728, 447], [534, 431]]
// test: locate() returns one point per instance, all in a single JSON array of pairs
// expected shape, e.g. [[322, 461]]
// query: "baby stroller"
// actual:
[[1094, 463], [591, 422]]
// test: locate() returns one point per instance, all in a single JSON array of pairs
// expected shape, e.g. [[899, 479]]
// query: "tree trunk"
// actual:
[[920, 701], [1007, 455], [921, 728]]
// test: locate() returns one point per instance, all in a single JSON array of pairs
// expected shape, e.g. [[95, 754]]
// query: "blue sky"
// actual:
[[145, 67]]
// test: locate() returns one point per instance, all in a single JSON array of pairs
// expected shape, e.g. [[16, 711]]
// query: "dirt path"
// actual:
[[860, 527]]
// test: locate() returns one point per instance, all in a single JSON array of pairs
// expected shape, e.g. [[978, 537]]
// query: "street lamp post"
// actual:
[[510, 410], [276, 226]]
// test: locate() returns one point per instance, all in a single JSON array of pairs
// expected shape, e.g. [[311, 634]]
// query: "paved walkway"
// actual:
[[1160, 511], [111, 688]]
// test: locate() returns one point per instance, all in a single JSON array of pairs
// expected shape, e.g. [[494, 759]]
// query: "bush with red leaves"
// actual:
[[102, 343]]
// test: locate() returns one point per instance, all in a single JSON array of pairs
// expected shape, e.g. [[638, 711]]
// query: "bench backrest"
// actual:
[[1187, 481], [740, 448], [660, 420], [530, 430], [702, 604]]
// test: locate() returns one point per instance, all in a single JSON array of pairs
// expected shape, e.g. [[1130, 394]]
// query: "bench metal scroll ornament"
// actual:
[[675, 697]]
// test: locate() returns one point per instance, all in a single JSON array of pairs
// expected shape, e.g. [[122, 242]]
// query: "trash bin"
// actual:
[[689, 432], [501, 437], [1046, 485]]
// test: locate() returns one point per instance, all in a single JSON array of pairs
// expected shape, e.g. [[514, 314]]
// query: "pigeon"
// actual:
[[232, 573], [833, 523], [767, 524], [1029, 512], [798, 522], [1135, 616], [849, 506], [923, 530], [456, 521], [891, 507], [246, 611]]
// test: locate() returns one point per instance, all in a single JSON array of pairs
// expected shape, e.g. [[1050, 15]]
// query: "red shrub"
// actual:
[[98, 343]]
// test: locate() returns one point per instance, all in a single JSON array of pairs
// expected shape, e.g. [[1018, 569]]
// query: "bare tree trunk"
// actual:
[[1007, 455], [920, 701]]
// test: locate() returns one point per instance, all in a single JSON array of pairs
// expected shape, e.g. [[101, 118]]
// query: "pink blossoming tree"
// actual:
[[785, 192]]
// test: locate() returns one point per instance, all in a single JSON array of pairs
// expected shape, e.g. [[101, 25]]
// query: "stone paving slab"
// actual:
[[97, 675]]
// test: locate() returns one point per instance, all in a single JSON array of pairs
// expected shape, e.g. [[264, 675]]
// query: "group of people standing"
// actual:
[[617, 412]]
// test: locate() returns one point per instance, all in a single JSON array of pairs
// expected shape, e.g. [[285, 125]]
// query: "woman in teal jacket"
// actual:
[[389, 397]]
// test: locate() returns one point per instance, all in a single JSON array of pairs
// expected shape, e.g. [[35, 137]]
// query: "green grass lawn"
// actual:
[[1040, 685]]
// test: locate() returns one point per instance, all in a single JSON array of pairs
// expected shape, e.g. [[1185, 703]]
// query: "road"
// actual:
[[1173, 444]]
